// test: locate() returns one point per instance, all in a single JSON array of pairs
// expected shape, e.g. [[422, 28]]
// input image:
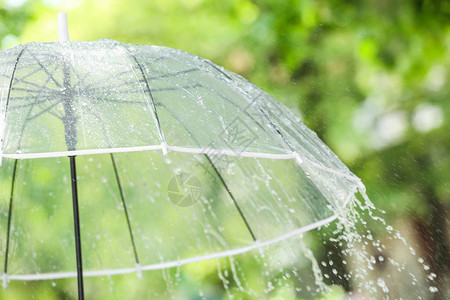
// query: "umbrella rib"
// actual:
[[317, 165], [80, 80], [219, 70], [29, 82], [272, 124], [35, 85], [298, 161], [232, 197], [8, 230], [26, 76], [47, 109], [44, 98], [21, 89], [158, 124], [122, 197], [39, 103], [45, 70], [8, 99], [41, 87], [218, 174]]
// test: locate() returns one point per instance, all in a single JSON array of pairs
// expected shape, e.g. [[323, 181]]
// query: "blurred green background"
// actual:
[[369, 77]]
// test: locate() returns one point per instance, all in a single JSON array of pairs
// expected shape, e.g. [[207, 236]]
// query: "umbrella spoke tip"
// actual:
[[5, 280], [164, 148], [139, 270], [298, 158]]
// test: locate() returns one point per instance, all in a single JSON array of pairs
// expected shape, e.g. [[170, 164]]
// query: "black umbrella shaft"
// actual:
[[70, 130], [76, 223]]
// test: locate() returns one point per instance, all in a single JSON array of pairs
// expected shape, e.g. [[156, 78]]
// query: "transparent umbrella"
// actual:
[[164, 158]]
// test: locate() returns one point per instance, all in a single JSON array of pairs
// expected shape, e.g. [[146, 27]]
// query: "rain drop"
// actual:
[[382, 285], [433, 289]]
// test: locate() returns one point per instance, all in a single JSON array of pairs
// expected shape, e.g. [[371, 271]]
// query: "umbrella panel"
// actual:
[[104, 116], [230, 207]]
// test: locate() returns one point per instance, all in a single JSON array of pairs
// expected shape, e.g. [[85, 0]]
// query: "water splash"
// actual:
[[291, 269]]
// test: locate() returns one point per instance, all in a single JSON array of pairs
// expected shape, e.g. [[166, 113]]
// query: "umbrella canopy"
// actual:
[[178, 160]]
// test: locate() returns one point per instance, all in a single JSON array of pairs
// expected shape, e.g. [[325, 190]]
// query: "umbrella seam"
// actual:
[[122, 196], [228, 152], [8, 226]]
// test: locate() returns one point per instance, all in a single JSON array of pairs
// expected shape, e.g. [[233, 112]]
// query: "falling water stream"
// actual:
[[291, 270]]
